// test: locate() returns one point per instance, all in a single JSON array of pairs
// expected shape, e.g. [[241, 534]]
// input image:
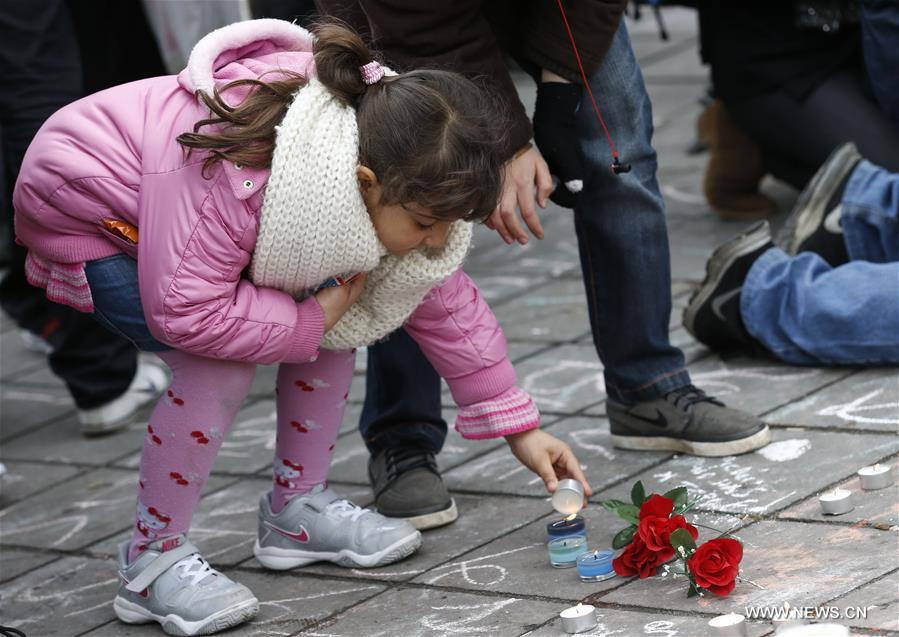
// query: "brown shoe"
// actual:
[[734, 170]]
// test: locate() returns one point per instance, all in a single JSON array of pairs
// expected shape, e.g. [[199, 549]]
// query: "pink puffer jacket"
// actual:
[[113, 157]]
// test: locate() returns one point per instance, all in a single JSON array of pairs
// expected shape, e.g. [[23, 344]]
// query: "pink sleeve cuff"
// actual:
[[483, 384], [307, 333], [511, 412]]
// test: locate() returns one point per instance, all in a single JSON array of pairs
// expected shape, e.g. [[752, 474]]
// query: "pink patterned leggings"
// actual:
[[188, 425]]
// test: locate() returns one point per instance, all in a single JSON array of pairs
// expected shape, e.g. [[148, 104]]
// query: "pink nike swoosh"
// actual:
[[302, 536]]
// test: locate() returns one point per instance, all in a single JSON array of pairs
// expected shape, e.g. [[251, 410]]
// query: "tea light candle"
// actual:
[[731, 625], [563, 552], [836, 502], [578, 619], [572, 525], [568, 497], [596, 566], [878, 476]]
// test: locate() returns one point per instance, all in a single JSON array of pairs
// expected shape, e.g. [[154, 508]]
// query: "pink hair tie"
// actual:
[[371, 72]]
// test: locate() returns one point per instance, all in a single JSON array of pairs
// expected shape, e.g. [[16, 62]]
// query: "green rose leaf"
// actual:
[[682, 538], [679, 495], [613, 505], [624, 537], [629, 513], [638, 494]]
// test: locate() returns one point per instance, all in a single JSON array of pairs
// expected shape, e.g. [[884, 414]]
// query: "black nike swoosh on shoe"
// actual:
[[658, 421]]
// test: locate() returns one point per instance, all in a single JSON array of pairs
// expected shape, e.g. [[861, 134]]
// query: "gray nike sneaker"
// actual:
[[320, 526], [686, 420], [178, 589]]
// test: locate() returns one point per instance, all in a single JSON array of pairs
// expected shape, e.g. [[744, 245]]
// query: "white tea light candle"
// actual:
[[731, 625], [836, 502], [568, 497], [578, 619], [878, 476]]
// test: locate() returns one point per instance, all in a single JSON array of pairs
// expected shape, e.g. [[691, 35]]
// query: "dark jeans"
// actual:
[[880, 39], [796, 137], [42, 72], [623, 243]]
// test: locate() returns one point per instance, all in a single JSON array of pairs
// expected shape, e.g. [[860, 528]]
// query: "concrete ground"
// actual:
[[67, 501]]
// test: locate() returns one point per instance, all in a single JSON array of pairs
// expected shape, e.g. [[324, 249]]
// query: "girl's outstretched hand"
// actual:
[[548, 457], [336, 300]]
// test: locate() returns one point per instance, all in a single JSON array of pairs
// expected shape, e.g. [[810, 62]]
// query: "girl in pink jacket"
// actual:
[[207, 216]]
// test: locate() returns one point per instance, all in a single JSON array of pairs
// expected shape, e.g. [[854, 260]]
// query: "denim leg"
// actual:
[[870, 214], [623, 237], [809, 313], [880, 32], [402, 397]]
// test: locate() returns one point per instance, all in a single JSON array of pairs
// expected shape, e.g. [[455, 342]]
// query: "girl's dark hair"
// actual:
[[432, 137]]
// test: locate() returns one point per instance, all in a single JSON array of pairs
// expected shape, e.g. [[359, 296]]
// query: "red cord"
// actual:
[[580, 66]]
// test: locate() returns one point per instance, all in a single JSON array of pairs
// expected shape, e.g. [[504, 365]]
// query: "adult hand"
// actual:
[[523, 173], [548, 457], [337, 299]]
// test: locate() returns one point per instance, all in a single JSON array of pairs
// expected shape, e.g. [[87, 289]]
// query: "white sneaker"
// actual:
[[148, 384], [35, 343]]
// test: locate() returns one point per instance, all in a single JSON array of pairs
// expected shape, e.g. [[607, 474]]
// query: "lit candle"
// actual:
[[572, 525], [596, 566], [578, 619], [568, 497], [836, 502], [563, 552], [731, 625], [877, 477]]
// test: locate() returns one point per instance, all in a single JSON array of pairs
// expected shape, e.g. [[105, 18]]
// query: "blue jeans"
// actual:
[[809, 313], [117, 306], [880, 40], [623, 243]]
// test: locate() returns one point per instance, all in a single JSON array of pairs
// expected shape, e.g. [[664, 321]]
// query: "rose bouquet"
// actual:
[[659, 532]]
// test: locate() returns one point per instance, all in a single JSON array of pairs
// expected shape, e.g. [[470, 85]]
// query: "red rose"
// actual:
[[637, 559], [715, 565], [656, 527]]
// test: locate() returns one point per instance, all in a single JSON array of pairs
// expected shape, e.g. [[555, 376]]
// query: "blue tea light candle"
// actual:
[[572, 525], [596, 566], [563, 552]]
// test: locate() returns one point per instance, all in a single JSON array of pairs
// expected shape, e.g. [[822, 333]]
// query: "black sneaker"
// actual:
[[814, 222], [408, 485], [686, 420], [713, 314]]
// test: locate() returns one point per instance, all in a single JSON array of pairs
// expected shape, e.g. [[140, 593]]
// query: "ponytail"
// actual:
[[339, 53]]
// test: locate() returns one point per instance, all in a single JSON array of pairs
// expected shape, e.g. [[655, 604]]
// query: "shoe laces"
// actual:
[[405, 459], [687, 396], [346, 509], [194, 568]]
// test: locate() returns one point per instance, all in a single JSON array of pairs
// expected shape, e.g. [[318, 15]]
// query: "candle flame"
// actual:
[[877, 466], [579, 604], [571, 517]]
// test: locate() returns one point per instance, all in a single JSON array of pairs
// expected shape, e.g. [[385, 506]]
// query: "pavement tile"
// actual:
[[794, 465], [517, 563], [15, 360], [25, 478], [564, 379], [77, 513], [553, 312], [478, 523], [25, 408], [500, 472], [880, 507], [879, 599], [803, 564], [426, 613], [868, 399], [287, 604], [14, 562]]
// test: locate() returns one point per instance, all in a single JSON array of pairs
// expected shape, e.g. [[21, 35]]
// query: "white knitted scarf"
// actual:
[[315, 226]]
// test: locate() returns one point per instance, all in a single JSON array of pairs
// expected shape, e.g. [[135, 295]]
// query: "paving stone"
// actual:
[[15, 360], [77, 513], [24, 478], [425, 613], [796, 464], [564, 379], [62, 442], [14, 562], [880, 507], [866, 400], [61, 599], [518, 563], [880, 600], [553, 312], [500, 472], [477, 524], [613, 621], [287, 604], [350, 462], [803, 564], [25, 408]]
